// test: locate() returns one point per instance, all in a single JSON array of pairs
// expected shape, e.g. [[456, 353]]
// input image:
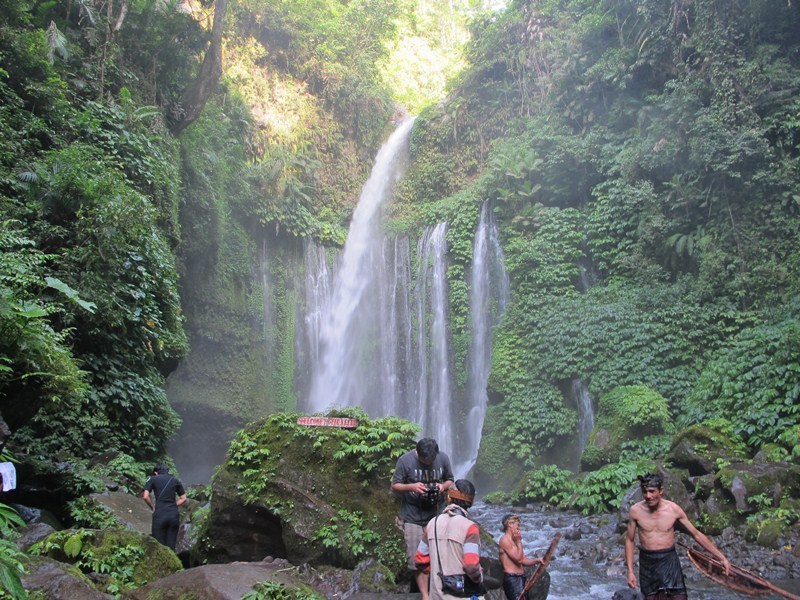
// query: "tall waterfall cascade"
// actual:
[[488, 296], [374, 327]]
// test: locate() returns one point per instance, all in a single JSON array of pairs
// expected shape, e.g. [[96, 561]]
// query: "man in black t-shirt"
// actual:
[[421, 476], [168, 494]]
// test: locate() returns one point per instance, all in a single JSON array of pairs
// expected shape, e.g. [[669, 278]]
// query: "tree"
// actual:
[[198, 93]]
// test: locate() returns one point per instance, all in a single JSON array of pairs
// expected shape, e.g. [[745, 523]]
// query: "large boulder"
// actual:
[[221, 582], [114, 559], [317, 495], [126, 509], [48, 578], [764, 495], [753, 486], [698, 447]]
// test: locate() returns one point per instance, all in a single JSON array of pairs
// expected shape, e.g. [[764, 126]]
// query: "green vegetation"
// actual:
[[593, 492], [348, 529], [648, 208], [640, 157], [121, 559], [272, 590], [11, 559]]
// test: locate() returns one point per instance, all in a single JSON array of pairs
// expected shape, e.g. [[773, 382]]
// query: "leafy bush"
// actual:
[[11, 559], [602, 490], [535, 420], [273, 590], [637, 408], [112, 252], [549, 484], [755, 383], [346, 532], [119, 558], [38, 368], [85, 512]]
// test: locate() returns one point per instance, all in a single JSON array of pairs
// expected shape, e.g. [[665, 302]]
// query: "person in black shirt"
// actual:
[[168, 495], [421, 477]]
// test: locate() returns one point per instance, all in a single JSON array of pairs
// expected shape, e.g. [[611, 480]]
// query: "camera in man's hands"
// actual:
[[430, 499]]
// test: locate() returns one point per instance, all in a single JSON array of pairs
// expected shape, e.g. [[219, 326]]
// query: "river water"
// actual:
[[592, 567]]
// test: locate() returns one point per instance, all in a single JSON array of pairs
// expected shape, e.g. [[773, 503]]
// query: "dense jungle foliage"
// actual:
[[641, 158], [107, 214]]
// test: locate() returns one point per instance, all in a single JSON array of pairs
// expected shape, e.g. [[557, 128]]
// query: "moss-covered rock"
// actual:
[[755, 485], [54, 580], [626, 413], [496, 467], [771, 453], [715, 517], [310, 494], [115, 559], [273, 579], [699, 447]]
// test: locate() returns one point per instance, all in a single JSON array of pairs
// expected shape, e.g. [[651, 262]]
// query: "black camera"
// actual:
[[430, 499]]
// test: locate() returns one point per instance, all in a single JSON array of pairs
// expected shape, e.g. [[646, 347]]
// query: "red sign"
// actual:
[[328, 422]]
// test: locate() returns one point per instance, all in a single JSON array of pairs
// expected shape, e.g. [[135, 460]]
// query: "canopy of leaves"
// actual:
[[641, 158]]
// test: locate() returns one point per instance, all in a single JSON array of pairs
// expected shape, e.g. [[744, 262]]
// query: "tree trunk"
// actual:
[[197, 94]]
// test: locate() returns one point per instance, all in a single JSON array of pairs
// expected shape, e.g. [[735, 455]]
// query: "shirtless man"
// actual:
[[655, 518], [512, 557]]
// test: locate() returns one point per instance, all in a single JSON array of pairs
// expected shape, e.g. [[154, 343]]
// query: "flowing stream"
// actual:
[[593, 566]]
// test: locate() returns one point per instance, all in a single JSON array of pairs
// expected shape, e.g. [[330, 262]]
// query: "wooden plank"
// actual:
[[548, 556], [344, 423]]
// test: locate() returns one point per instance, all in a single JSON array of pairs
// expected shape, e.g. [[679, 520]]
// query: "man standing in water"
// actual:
[[512, 557], [421, 476], [655, 518], [169, 495]]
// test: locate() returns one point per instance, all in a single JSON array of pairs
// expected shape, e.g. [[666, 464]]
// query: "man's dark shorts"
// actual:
[[660, 575], [513, 585]]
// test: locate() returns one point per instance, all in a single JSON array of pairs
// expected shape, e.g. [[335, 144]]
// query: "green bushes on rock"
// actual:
[[624, 414], [119, 558], [324, 490]]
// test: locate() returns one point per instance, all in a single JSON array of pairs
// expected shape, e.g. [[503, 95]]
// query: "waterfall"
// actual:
[[317, 293], [344, 374], [583, 402], [375, 332], [432, 409], [488, 297], [396, 335]]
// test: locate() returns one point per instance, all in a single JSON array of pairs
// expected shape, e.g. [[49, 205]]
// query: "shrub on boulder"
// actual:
[[309, 494], [631, 412], [115, 559]]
